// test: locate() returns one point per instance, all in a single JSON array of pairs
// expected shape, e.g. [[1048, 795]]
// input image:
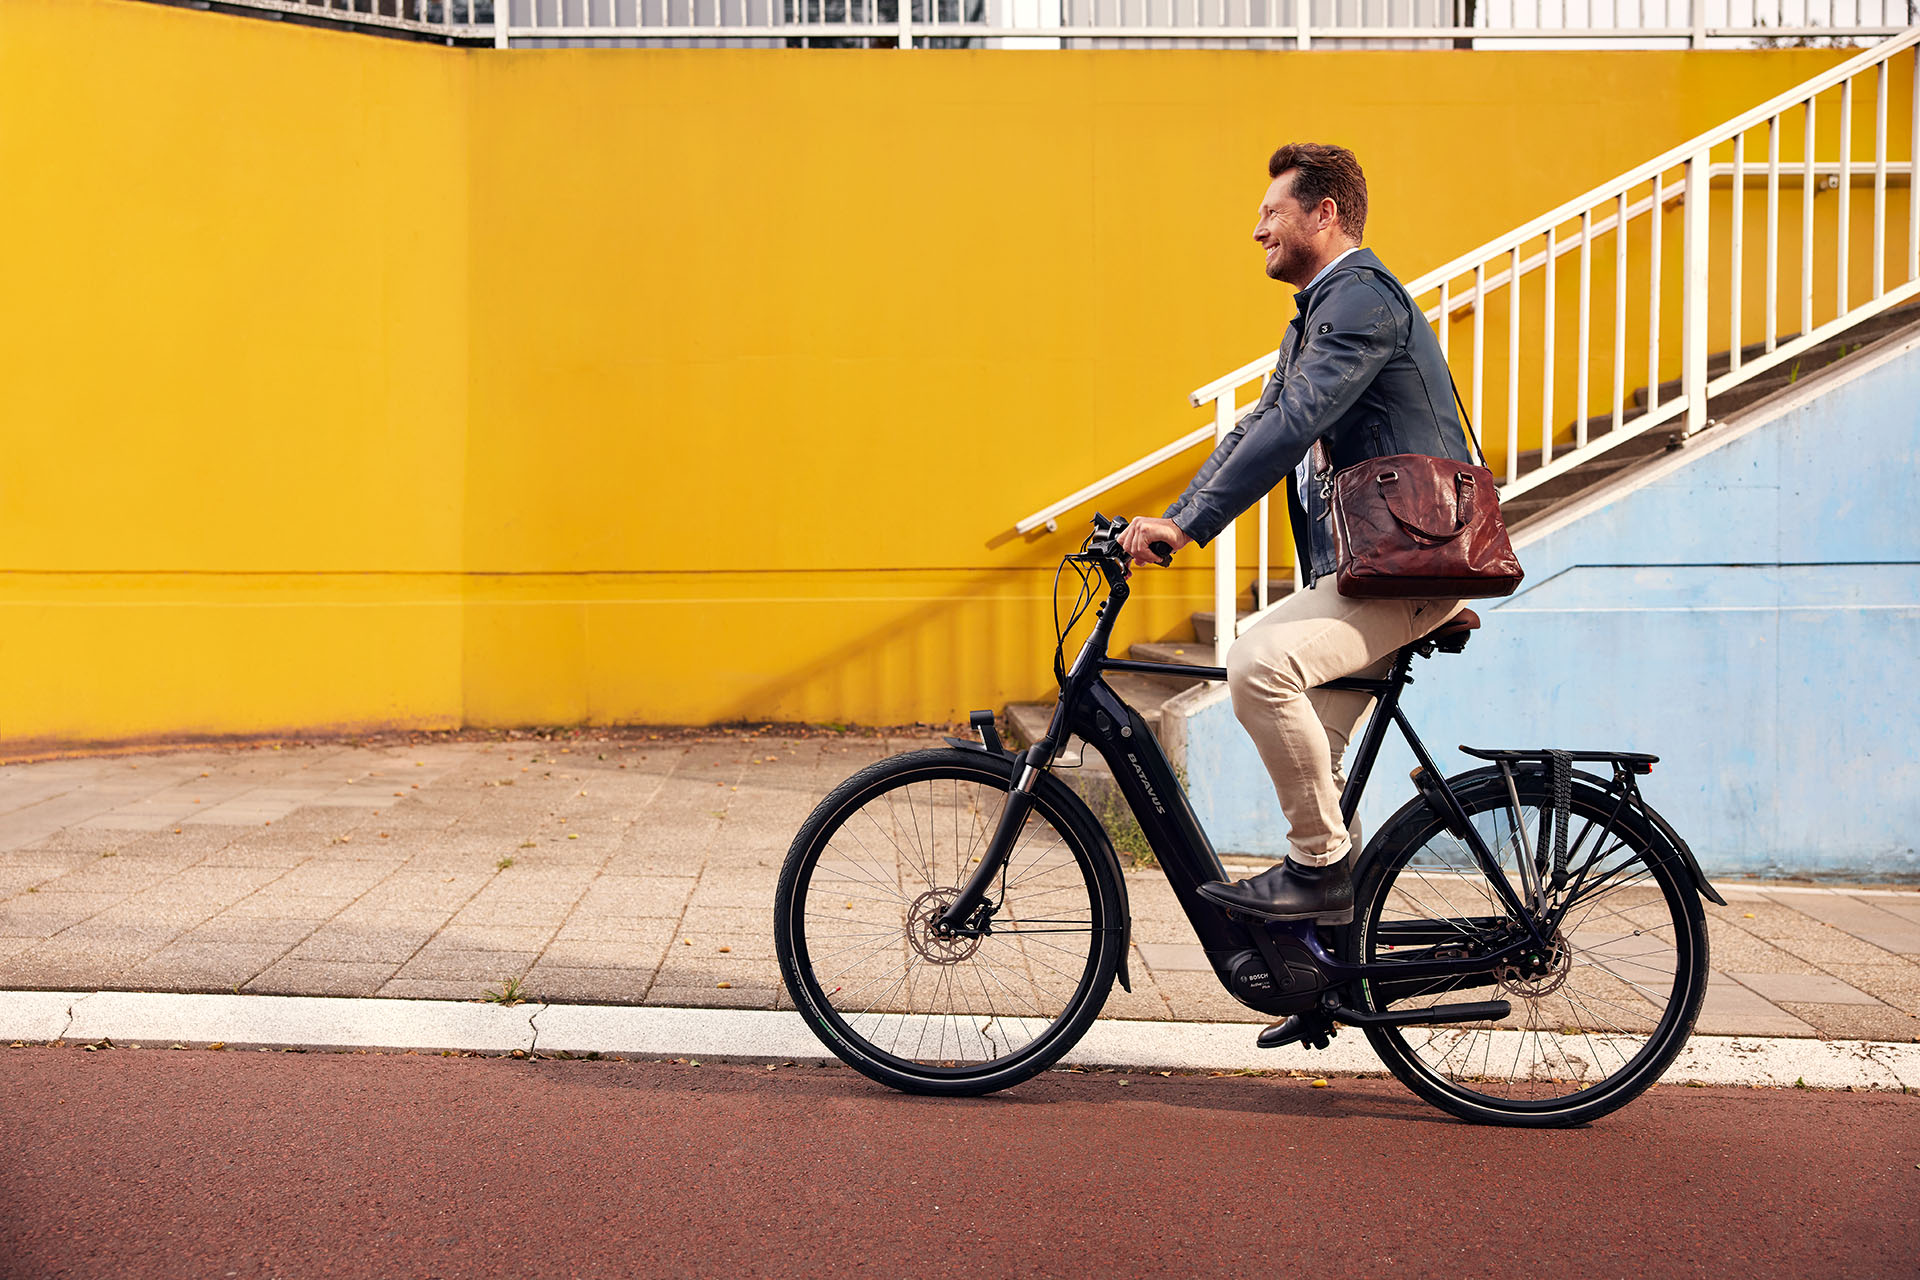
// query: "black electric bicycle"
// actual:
[[1528, 945]]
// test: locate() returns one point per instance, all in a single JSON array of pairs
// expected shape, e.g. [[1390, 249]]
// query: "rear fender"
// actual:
[[1692, 864]]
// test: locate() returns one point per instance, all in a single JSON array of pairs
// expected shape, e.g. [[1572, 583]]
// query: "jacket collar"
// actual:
[[1361, 257]]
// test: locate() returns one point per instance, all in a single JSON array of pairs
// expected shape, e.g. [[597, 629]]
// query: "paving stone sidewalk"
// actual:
[[626, 869]]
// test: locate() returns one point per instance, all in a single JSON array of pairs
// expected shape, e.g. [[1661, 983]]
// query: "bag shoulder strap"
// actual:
[[1466, 423]]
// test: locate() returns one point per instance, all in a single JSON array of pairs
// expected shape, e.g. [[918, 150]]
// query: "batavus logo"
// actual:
[[1142, 775]]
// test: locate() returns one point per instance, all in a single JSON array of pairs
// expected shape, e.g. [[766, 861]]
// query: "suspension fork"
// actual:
[[959, 918]]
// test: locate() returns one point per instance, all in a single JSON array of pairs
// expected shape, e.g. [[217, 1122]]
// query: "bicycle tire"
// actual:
[[836, 873], [1640, 970]]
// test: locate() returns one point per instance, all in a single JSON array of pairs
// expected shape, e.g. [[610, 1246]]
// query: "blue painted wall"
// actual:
[[1753, 618]]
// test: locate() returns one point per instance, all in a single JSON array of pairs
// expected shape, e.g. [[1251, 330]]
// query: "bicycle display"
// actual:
[[1528, 944]]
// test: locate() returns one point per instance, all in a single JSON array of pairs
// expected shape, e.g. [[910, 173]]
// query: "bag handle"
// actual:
[[1463, 488]]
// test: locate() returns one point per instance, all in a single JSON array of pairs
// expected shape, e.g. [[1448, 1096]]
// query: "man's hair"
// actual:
[[1323, 171]]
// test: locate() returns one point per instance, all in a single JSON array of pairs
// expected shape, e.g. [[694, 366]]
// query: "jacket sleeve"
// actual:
[[1351, 333], [1221, 452]]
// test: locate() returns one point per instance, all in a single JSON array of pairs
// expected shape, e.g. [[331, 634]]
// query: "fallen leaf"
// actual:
[[724, 986], [573, 835], [1321, 1083], [726, 948]]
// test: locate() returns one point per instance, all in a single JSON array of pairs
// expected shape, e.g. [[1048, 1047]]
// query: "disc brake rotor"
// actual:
[[933, 947], [1538, 975]]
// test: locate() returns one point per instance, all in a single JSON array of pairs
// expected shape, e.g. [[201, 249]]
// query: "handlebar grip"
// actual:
[[1162, 550]]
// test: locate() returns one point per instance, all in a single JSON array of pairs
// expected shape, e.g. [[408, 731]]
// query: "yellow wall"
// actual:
[[357, 382]]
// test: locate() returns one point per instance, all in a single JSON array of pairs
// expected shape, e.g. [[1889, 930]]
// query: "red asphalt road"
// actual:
[[155, 1163]]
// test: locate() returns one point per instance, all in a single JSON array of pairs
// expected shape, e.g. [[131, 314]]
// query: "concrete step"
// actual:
[[1277, 589], [1190, 652], [1721, 408], [1815, 358], [1589, 473], [1025, 722], [1203, 630]]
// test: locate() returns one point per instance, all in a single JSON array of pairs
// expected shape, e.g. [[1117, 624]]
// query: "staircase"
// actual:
[[1744, 266], [1563, 335], [1522, 510], [1027, 721]]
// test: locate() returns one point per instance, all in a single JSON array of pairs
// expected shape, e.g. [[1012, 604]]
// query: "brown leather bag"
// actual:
[[1412, 526]]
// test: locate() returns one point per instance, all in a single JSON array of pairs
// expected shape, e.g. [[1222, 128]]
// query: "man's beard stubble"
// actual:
[[1292, 255]]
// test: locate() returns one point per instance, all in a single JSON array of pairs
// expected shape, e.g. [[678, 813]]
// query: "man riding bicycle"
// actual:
[[1360, 375]]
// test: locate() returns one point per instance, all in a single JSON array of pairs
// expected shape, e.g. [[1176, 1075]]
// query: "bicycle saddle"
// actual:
[[1451, 635]]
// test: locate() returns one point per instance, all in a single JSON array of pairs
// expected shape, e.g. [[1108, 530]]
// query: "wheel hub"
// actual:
[[924, 935], [1538, 972]]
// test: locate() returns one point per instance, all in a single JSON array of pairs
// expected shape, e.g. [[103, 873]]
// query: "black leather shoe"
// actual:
[[1315, 1030], [1290, 891]]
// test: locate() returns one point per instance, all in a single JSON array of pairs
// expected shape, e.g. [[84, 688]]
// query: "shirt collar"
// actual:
[[1322, 274]]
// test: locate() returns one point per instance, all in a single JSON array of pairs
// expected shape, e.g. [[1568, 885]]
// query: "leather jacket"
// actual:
[[1360, 371]]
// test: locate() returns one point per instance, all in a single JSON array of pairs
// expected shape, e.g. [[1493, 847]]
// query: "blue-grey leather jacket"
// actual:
[[1361, 370]]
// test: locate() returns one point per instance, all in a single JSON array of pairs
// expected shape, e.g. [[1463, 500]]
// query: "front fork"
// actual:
[[971, 914]]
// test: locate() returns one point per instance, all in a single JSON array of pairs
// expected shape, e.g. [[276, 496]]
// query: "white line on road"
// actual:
[[319, 1022]]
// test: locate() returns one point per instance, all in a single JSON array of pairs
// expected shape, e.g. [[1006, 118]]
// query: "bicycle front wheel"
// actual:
[[877, 863], [1597, 1015]]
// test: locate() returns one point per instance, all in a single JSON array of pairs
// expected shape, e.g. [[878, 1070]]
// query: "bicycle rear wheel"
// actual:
[[880, 858], [1597, 1016]]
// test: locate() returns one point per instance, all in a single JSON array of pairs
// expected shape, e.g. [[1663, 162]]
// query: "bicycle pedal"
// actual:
[[1315, 1033]]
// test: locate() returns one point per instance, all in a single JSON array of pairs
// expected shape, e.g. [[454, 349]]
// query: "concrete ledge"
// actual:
[[311, 1022]]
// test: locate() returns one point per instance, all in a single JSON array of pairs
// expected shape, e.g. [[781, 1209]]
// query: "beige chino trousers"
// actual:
[[1302, 732]]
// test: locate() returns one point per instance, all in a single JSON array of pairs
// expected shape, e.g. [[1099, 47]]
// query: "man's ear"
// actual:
[[1329, 213]]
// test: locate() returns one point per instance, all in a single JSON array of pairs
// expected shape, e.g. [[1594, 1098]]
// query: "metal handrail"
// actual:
[[1574, 227], [501, 27], [1668, 159]]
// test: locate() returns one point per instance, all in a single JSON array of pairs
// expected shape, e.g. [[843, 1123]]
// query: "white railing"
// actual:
[[1580, 299], [1288, 24]]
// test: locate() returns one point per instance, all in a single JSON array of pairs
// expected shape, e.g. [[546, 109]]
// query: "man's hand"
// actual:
[[1142, 530]]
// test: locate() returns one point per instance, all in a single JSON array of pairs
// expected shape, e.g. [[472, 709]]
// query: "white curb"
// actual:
[[318, 1022]]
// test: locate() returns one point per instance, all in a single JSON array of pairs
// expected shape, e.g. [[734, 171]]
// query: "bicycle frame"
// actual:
[[1089, 708]]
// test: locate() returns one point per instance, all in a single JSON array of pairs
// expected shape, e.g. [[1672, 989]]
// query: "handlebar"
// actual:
[[1104, 542]]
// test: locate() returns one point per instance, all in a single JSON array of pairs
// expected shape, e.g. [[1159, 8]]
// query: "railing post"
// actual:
[[1698, 12], [1225, 593], [1303, 24], [502, 11], [1693, 298], [906, 24]]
